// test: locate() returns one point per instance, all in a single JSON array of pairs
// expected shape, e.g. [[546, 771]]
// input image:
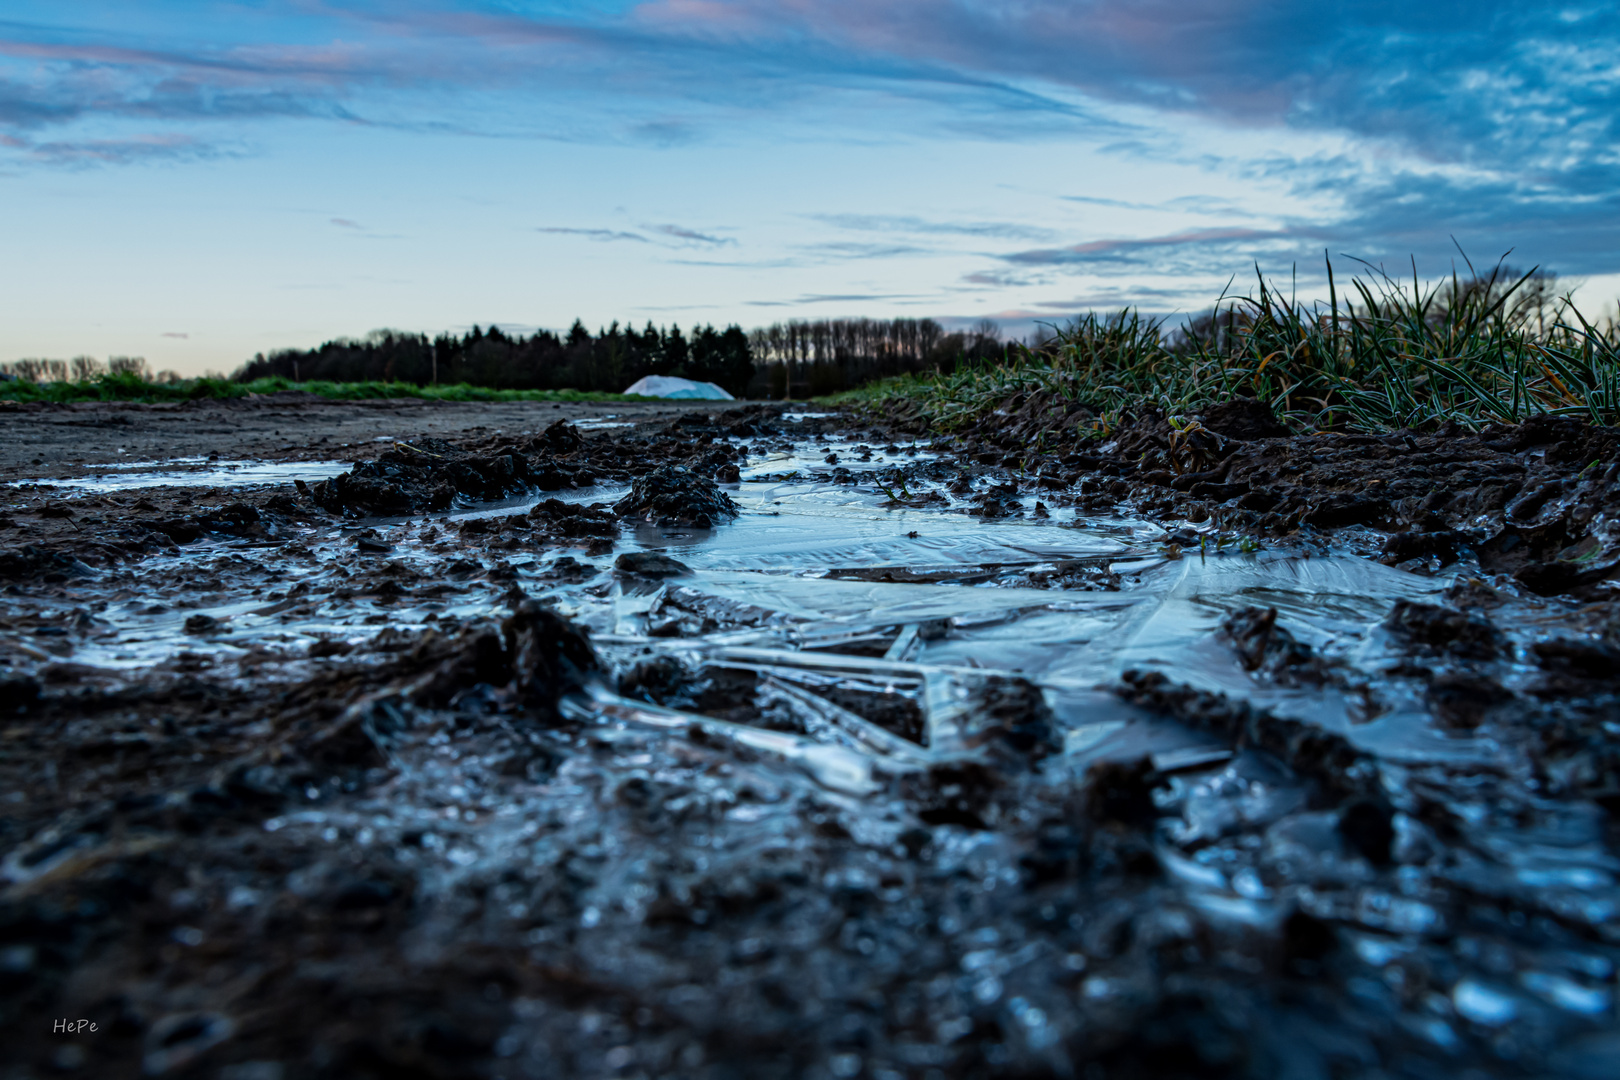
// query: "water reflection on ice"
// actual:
[[794, 592], [814, 555], [193, 472]]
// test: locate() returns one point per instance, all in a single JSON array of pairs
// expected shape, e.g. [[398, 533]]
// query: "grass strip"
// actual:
[[1394, 356], [126, 387]]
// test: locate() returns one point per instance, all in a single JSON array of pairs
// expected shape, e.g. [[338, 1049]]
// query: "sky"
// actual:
[[198, 182]]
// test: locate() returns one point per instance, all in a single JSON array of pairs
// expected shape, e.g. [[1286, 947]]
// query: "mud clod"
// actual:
[[534, 656], [1264, 647], [1596, 660], [1367, 826], [1330, 759], [1121, 793], [672, 495], [650, 564], [1463, 700], [1445, 631], [561, 522], [412, 479], [1013, 716], [1244, 419], [32, 561]]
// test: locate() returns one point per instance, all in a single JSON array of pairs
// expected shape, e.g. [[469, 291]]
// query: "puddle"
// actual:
[[192, 472]]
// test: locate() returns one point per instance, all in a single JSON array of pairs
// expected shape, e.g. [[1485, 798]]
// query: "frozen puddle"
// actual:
[[818, 578], [193, 472], [814, 686]]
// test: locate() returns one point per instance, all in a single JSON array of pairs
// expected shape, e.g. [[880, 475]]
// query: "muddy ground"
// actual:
[[53, 441], [738, 744]]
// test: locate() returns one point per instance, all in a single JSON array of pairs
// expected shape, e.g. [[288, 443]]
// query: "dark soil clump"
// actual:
[[671, 495], [1530, 501], [1244, 419]]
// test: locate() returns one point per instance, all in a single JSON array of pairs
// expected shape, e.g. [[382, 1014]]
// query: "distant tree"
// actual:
[[675, 351], [610, 359], [127, 365], [84, 368]]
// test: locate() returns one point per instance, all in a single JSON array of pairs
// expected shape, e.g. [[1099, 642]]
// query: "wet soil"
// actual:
[[740, 743], [56, 441]]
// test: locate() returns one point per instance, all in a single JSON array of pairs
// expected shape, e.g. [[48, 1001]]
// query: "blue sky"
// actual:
[[196, 182]]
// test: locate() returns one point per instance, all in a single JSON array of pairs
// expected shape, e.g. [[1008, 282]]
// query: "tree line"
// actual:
[[82, 369], [798, 358], [609, 360], [808, 358]]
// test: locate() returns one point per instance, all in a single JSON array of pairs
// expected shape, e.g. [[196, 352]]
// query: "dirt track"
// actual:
[[50, 441]]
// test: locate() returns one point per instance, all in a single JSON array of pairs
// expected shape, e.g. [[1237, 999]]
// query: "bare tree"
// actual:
[[128, 365], [85, 368]]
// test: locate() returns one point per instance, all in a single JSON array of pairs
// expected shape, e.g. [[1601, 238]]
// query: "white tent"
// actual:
[[667, 386]]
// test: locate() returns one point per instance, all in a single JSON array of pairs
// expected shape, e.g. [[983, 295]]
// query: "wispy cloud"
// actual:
[[1110, 298], [995, 279], [1096, 251], [676, 236], [84, 153], [677, 232], [850, 249], [603, 235], [1183, 204], [345, 223], [891, 223], [835, 298]]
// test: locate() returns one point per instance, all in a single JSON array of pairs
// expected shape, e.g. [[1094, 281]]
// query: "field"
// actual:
[[133, 388], [536, 739]]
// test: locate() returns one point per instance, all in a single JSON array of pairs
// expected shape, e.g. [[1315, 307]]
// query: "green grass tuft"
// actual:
[[1396, 356]]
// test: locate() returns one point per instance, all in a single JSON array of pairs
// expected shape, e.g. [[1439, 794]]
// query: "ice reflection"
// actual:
[[193, 472]]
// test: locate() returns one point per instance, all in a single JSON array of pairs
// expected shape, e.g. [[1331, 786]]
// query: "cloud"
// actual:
[[921, 226], [677, 236], [134, 150], [995, 279], [1420, 214], [1436, 76], [603, 235], [665, 132], [836, 249], [1115, 298], [1496, 121], [173, 334], [1512, 108], [1186, 204], [345, 223], [835, 298], [677, 232], [1097, 251]]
